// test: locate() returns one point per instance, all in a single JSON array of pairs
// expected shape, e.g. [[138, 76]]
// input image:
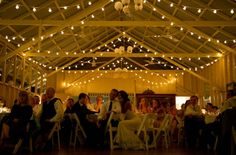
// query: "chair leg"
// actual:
[[17, 146], [216, 142], [58, 140]]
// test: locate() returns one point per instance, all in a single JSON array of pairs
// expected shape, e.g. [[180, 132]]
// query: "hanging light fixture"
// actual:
[[118, 6], [124, 5]]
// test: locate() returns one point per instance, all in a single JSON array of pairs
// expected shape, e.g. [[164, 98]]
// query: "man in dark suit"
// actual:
[[90, 127]]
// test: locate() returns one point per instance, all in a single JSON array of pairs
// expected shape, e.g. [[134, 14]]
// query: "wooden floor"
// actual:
[[173, 150]]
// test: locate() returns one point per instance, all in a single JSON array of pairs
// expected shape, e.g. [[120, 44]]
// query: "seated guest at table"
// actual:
[[130, 122], [143, 106], [66, 124], [51, 112], [155, 106], [98, 104], [34, 102], [69, 104], [89, 105], [227, 122], [210, 129], [111, 105], [193, 121], [89, 125], [14, 125]]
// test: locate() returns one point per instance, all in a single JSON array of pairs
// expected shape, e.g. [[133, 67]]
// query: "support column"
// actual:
[[14, 71], [23, 73], [4, 72]]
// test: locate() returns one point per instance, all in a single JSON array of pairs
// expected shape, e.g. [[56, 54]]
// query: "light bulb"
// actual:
[[232, 11]]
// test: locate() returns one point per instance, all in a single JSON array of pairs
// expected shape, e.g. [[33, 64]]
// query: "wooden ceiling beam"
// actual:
[[64, 23], [128, 55], [191, 28], [179, 65], [71, 20], [79, 58]]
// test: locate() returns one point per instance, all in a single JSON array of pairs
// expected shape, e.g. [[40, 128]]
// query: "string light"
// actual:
[[17, 6], [232, 11], [199, 10], [34, 9]]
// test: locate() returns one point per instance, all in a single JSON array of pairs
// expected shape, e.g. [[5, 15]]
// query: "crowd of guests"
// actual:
[[201, 127]]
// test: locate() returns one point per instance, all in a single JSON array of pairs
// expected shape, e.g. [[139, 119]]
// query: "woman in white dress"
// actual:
[[129, 123]]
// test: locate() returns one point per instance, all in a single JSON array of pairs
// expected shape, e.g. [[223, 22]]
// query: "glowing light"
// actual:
[[17, 6], [199, 10], [232, 11], [34, 9]]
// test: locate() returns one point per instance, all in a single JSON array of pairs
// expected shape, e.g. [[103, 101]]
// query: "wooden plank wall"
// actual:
[[8, 93], [219, 74]]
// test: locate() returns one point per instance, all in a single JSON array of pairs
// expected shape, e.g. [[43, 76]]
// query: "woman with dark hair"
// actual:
[[129, 123], [14, 125], [124, 101]]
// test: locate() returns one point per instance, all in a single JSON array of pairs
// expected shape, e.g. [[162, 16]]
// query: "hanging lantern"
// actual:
[[122, 49], [138, 2], [129, 49], [126, 9], [125, 2], [118, 6], [138, 7], [117, 50]]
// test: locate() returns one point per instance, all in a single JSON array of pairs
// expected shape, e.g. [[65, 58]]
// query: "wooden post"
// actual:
[[14, 71], [4, 73], [23, 73]]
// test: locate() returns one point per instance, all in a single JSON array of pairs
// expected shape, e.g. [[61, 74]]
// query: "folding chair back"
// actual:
[[56, 129], [77, 130], [112, 130]]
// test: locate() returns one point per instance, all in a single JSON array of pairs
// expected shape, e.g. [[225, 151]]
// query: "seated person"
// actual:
[[227, 122], [193, 121], [98, 105], [51, 112], [210, 128], [90, 126], [66, 124], [143, 106], [126, 136], [14, 125]]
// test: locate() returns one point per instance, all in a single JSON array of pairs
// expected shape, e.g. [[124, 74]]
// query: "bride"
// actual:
[[129, 123]]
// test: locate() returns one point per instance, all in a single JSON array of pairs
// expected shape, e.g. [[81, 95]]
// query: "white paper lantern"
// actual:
[[138, 2], [125, 2], [118, 6], [138, 7], [122, 49], [126, 9], [129, 49], [117, 50]]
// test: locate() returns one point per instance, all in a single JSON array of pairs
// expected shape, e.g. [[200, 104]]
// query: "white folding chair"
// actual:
[[164, 130], [56, 129], [78, 129], [146, 127], [180, 127], [111, 130]]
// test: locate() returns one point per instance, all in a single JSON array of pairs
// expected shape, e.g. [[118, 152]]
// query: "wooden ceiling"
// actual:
[[59, 35]]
